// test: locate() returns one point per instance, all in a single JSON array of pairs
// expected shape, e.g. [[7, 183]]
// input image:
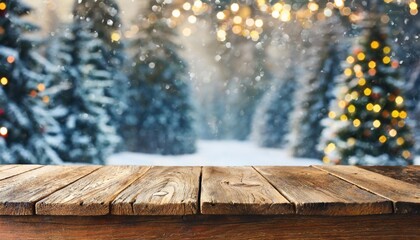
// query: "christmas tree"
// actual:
[[271, 120], [159, 118], [81, 107], [368, 121], [316, 82], [28, 134], [102, 18]]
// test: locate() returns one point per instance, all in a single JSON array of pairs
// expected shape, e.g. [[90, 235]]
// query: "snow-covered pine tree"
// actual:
[[103, 19], [368, 121], [271, 120], [28, 134], [315, 85], [159, 118], [81, 108]]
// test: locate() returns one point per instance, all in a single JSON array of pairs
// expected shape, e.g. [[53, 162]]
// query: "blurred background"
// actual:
[[224, 82]]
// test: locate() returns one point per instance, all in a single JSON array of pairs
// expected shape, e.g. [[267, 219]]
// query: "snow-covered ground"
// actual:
[[216, 153], [219, 153]]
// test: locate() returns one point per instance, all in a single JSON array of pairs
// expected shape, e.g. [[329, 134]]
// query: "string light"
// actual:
[[4, 81], [356, 122], [374, 44], [10, 59], [3, 131], [376, 123], [392, 133], [399, 100], [386, 60], [3, 6], [382, 139]]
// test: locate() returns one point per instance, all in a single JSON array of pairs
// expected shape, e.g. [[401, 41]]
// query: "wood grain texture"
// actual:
[[240, 190], [199, 227], [410, 174], [406, 196], [315, 192], [7, 171], [90, 195], [18, 194], [161, 191]]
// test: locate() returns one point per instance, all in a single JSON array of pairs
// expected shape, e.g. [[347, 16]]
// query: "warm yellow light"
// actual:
[[348, 72], [367, 91], [362, 81], [386, 60], [350, 59], [221, 35], [3, 6], [377, 108], [3, 131], [285, 15], [312, 6], [399, 100], [392, 133], [41, 87], [376, 123], [374, 44], [369, 106], [413, 5], [332, 114], [406, 154], [342, 104], [372, 64], [356, 122], [234, 7], [176, 13], [328, 12], [343, 118], [115, 37], [361, 56], [254, 35], [237, 20], [339, 3], [46, 99], [4, 81], [400, 141], [237, 29], [259, 23], [395, 114], [382, 139], [186, 6], [330, 147], [351, 142], [10, 59], [387, 50], [326, 160], [403, 114], [220, 15], [351, 108], [401, 123], [186, 32]]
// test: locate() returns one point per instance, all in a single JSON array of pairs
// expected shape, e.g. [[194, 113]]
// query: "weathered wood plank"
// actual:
[[406, 196], [18, 194], [410, 174], [7, 171], [161, 191], [90, 195], [199, 227], [315, 192], [240, 190]]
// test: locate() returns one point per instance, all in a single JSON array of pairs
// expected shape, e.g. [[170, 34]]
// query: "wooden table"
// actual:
[[135, 202]]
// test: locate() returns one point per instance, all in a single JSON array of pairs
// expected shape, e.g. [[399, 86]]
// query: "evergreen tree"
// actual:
[[271, 120], [159, 118], [81, 108], [102, 17], [368, 121], [27, 132], [315, 86]]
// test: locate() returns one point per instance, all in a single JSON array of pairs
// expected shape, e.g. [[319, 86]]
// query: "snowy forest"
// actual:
[[335, 81]]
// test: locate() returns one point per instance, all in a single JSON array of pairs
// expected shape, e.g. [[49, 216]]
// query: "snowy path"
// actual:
[[216, 153]]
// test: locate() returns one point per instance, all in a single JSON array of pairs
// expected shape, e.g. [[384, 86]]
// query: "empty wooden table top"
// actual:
[[176, 191]]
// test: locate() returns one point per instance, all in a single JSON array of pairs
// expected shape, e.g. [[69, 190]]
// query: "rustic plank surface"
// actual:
[[7, 171], [90, 195], [240, 190], [410, 174], [315, 192], [161, 191], [18, 194], [199, 227], [406, 196]]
